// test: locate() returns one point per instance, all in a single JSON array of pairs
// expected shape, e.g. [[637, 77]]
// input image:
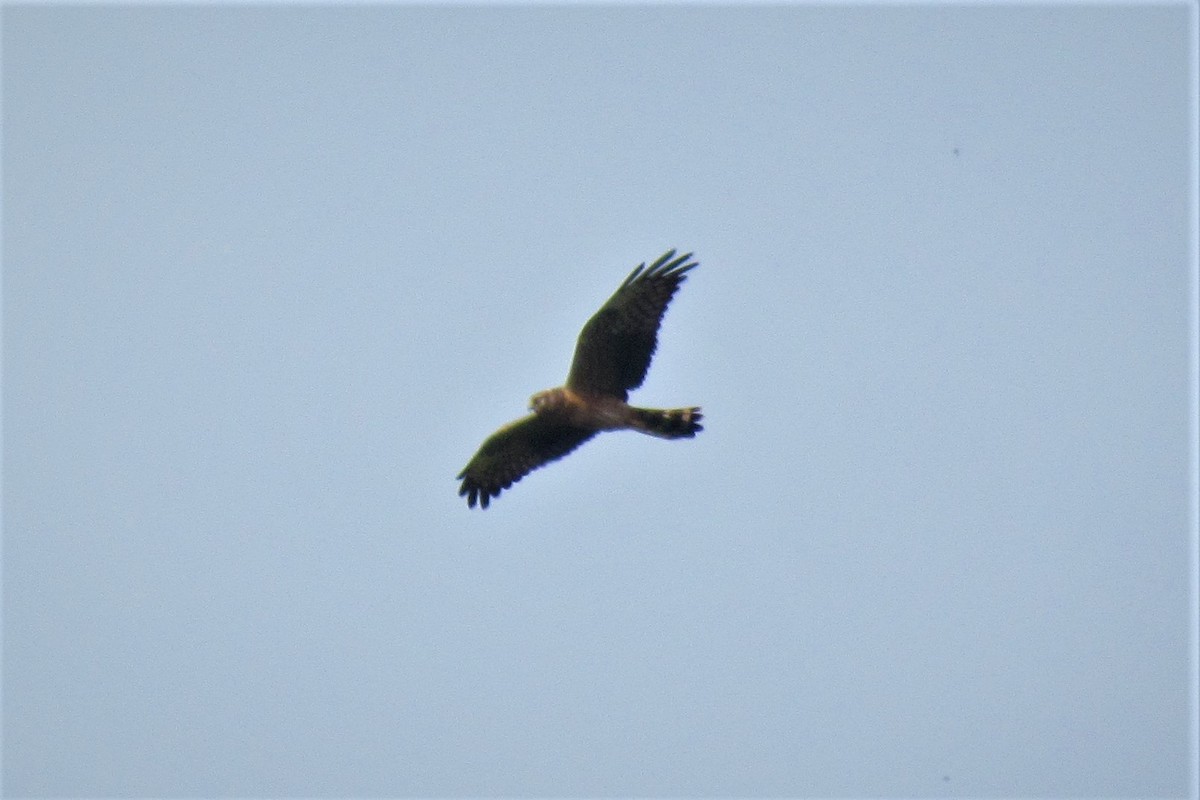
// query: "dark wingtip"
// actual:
[[469, 490], [676, 266], [633, 276], [665, 265], [683, 260], [663, 259], [476, 494]]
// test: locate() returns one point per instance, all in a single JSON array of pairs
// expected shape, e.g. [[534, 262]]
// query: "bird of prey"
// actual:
[[612, 356]]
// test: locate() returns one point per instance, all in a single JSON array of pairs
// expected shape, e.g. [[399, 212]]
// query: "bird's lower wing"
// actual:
[[513, 452]]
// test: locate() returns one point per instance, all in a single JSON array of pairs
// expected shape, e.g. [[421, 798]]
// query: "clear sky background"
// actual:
[[271, 275]]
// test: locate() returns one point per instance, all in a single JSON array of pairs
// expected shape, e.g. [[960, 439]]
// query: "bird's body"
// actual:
[[598, 412], [612, 356]]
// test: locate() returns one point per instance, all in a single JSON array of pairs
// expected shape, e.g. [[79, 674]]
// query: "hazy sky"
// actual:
[[271, 274]]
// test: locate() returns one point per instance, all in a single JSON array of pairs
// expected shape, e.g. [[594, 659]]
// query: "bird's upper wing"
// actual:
[[513, 452], [615, 346]]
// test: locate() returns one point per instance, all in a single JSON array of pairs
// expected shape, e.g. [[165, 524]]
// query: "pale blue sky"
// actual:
[[271, 274]]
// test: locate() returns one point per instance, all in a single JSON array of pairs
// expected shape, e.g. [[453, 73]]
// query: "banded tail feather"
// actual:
[[668, 423]]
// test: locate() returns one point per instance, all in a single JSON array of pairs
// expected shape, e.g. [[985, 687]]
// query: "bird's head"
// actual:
[[545, 400]]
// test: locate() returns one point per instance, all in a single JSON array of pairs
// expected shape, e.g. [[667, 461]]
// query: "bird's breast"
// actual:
[[586, 411]]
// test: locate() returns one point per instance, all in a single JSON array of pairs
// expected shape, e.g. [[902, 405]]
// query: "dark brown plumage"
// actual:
[[513, 452], [614, 349], [612, 356]]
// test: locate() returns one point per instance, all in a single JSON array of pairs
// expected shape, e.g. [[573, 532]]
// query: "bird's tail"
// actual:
[[668, 423]]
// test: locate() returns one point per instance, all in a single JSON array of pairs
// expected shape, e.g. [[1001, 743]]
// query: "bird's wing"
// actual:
[[513, 452], [615, 346]]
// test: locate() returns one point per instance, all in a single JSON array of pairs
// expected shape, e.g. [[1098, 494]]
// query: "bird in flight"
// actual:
[[612, 356]]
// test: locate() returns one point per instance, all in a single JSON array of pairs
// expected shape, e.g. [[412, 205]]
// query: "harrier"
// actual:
[[611, 357]]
